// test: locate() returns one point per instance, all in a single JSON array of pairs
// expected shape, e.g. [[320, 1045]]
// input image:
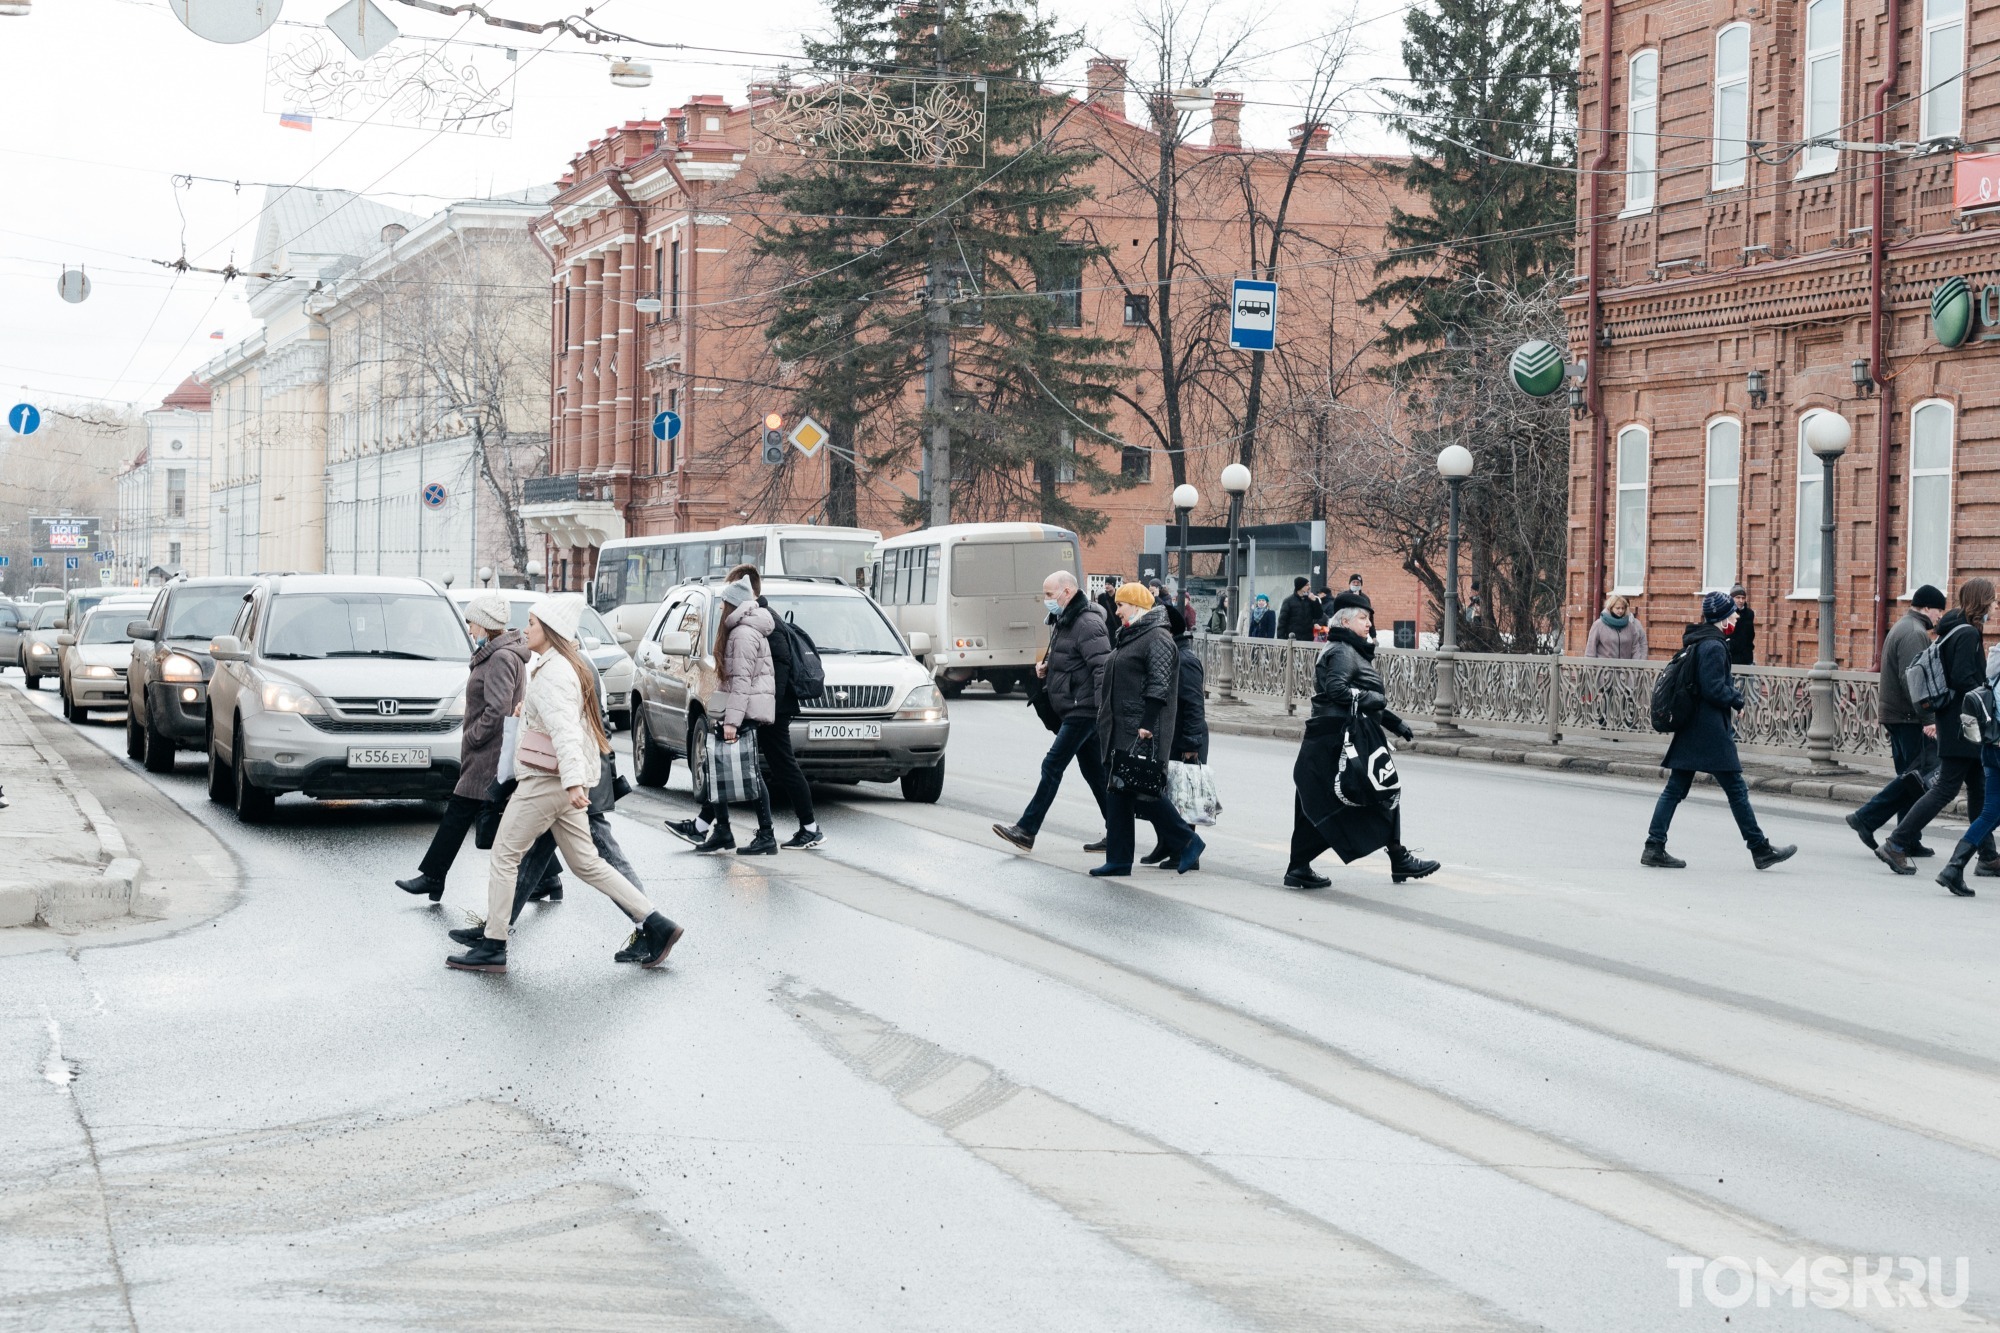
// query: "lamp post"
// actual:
[[534, 573], [1454, 465], [1186, 497], [1827, 435], [1236, 481], [486, 576]]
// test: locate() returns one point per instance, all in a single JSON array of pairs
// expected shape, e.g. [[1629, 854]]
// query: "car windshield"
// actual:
[[203, 613], [822, 557], [108, 626], [590, 626], [838, 624], [50, 613], [363, 624]]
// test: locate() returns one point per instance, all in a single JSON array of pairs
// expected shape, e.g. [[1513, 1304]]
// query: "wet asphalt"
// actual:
[[919, 1081]]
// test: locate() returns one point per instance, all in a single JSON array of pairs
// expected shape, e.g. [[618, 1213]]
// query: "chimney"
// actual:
[[1314, 135], [393, 232], [1107, 85], [1225, 123]]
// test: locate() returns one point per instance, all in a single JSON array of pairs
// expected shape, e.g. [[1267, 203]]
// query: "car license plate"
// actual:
[[843, 731], [411, 757]]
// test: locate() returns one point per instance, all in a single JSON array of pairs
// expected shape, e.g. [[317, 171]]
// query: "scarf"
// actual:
[[1615, 622]]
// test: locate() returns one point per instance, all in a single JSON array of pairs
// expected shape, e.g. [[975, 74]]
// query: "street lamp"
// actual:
[[534, 573], [1454, 465], [1827, 434], [1186, 497], [486, 576], [1236, 481]]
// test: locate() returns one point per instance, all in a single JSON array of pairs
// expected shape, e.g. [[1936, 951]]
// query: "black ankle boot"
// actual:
[[1953, 874], [421, 884], [1656, 856], [657, 938], [719, 839], [484, 956], [1404, 865], [1305, 877]]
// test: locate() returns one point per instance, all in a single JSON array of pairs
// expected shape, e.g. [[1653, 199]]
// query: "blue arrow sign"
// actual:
[[667, 426], [71, 562], [38, 562], [25, 418], [5, 560], [1253, 316]]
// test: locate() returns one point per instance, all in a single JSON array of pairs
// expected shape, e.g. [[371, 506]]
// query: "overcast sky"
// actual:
[[104, 102]]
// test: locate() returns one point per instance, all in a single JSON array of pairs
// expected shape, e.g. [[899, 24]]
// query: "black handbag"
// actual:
[[1138, 770], [1044, 706], [486, 827], [1367, 774]]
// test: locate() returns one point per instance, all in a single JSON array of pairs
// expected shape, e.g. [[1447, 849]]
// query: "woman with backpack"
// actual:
[[1961, 650], [1706, 741]]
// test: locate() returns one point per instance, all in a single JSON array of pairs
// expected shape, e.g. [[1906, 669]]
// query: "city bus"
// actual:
[[635, 573], [975, 591]]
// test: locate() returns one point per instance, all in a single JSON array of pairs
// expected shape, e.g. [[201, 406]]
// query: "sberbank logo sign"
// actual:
[[1537, 368], [1956, 310]]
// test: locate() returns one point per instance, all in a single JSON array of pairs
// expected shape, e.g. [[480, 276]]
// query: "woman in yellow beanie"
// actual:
[[1137, 701]]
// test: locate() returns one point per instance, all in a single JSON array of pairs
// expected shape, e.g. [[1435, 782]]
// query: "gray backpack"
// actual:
[[1925, 679]]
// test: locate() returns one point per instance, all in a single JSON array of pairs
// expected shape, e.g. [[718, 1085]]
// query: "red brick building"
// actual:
[[1736, 278], [667, 210]]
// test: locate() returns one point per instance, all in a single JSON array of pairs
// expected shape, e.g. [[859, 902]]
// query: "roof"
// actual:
[[290, 583], [301, 224], [192, 394], [958, 532]]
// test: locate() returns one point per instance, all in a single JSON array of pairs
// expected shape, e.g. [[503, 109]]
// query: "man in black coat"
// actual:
[[1298, 614], [1707, 744], [1743, 634], [1962, 648], [1912, 731], [1079, 646]]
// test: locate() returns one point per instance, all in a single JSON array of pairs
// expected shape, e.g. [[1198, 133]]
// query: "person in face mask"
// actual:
[[1079, 645]]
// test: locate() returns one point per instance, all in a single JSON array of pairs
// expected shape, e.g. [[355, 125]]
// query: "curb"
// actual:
[[67, 901]]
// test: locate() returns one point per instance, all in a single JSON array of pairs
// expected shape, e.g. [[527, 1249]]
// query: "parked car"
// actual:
[[337, 686], [613, 663], [14, 617], [92, 658], [167, 686], [36, 651], [881, 718], [80, 602], [46, 594]]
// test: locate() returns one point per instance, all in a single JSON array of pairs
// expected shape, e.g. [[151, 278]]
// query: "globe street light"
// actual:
[[1827, 434], [1454, 465], [534, 573], [486, 576], [1186, 497]]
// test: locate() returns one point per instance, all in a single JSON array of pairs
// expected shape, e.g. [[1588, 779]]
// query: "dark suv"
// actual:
[[167, 684]]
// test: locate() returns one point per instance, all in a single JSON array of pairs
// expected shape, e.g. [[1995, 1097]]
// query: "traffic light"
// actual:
[[774, 439]]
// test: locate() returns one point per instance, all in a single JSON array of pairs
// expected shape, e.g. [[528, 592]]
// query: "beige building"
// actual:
[[162, 524]]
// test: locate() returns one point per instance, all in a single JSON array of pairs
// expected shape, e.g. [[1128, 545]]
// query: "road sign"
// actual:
[[73, 286], [667, 426], [72, 561], [434, 496], [807, 436], [1253, 316], [25, 418], [38, 562], [104, 574], [5, 560]]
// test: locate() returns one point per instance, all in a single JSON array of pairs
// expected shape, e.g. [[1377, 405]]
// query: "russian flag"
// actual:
[[215, 336], [296, 120]]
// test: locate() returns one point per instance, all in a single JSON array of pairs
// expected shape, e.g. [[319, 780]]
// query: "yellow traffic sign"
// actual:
[[807, 436]]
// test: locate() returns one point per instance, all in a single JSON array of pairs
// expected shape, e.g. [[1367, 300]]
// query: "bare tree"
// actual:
[[71, 464]]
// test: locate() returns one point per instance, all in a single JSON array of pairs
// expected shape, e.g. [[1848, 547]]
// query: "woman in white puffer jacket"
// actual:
[[557, 761]]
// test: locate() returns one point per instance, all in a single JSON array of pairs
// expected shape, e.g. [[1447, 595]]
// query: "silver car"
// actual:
[[594, 637], [338, 686]]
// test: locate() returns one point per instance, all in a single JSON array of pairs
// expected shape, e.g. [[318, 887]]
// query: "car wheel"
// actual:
[[924, 785], [649, 763], [253, 803], [1004, 685], [218, 777], [135, 739], [697, 750], [159, 750], [34, 681], [68, 709]]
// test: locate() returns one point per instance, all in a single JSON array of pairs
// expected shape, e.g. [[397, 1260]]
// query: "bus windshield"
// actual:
[[824, 557], [1003, 569]]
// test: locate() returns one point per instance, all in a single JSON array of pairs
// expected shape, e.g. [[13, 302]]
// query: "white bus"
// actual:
[[635, 573], [976, 590]]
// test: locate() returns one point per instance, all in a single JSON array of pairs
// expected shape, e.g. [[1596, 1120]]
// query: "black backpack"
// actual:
[[807, 672], [1676, 694]]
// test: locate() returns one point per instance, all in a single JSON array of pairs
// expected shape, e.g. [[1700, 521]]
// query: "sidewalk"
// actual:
[[66, 861]]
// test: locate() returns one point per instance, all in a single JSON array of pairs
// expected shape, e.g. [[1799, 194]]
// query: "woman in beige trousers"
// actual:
[[557, 762]]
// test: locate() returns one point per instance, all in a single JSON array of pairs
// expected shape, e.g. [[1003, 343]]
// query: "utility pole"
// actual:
[[937, 347]]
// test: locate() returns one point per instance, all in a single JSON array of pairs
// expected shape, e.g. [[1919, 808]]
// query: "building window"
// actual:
[[1062, 468], [1724, 483], [656, 439], [1822, 84], [1138, 308], [177, 492], [659, 275], [1930, 496], [1944, 69], [1062, 283], [1805, 527], [1642, 125], [673, 297], [173, 553], [1136, 462], [1732, 105], [1630, 573]]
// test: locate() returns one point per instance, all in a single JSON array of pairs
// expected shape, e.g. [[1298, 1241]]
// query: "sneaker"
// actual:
[[1767, 856], [764, 844], [686, 830], [484, 956], [1017, 835], [1305, 877], [658, 936], [1866, 834], [804, 840], [1656, 856]]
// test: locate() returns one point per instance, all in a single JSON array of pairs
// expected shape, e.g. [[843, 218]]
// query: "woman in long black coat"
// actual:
[[1345, 685], [1138, 704], [1190, 746]]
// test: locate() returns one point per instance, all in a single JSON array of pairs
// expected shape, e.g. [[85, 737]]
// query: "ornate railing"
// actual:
[[549, 490], [1556, 696]]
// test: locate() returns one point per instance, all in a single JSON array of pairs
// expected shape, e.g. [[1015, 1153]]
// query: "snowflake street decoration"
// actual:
[[842, 118], [417, 86]]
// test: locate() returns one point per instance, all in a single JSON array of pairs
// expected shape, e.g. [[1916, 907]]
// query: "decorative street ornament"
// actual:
[[1537, 368], [631, 74], [1951, 312], [73, 286], [362, 28], [852, 117], [417, 84], [227, 21]]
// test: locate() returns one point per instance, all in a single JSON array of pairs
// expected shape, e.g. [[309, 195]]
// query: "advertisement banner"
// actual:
[[1976, 181], [53, 535]]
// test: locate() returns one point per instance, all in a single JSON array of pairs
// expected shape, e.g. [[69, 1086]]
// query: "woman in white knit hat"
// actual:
[[556, 763]]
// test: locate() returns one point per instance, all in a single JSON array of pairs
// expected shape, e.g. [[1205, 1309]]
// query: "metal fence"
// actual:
[[1556, 696]]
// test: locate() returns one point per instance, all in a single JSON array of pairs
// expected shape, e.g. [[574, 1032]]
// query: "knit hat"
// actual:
[[1739, 591], [488, 610], [1176, 625], [737, 593], [1134, 594], [1928, 597], [560, 614], [1717, 606]]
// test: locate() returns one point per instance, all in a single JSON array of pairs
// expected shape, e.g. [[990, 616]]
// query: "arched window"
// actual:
[[1732, 105], [1822, 84], [1629, 571], [1724, 471], [1929, 559], [1944, 69], [1805, 522], [1642, 131]]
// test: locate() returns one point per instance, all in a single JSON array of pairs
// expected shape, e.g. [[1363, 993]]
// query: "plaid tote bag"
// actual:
[[732, 773]]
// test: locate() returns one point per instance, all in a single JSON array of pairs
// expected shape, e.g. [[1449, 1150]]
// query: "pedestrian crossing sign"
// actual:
[[807, 436]]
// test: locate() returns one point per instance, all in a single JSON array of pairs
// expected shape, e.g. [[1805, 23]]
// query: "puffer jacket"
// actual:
[[554, 704], [1079, 646], [749, 689], [491, 692], [1141, 686], [1345, 681]]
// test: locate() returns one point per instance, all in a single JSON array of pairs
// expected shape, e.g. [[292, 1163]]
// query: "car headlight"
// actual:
[[99, 672], [39, 649], [923, 704], [179, 666], [457, 708], [284, 697]]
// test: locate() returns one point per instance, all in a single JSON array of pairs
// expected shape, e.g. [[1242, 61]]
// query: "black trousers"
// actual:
[[1916, 758], [775, 740], [1954, 771], [459, 814], [1308, 842]]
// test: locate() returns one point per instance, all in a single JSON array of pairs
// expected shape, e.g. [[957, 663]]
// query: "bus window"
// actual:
[[611, 580], [662, 571], [822, 557]]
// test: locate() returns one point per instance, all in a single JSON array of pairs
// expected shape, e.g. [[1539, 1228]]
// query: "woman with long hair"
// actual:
[[1961, 638], [556, 762], [746, 699]]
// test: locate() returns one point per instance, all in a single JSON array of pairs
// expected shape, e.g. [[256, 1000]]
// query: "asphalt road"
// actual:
[[917, 1081]]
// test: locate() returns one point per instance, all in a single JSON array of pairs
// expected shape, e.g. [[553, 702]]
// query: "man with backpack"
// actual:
[[1912, 732], [1696, 699]]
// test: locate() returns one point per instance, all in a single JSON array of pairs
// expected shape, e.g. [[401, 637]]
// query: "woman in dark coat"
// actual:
[[1345, 683], [1707, 744], [1961, 637], [1138, 701], [1190, 746], [499, 668]]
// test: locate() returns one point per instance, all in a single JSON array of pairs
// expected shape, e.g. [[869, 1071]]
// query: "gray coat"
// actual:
[[499, 667], [1079, 646], [1908, 637], [1141, 686]]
